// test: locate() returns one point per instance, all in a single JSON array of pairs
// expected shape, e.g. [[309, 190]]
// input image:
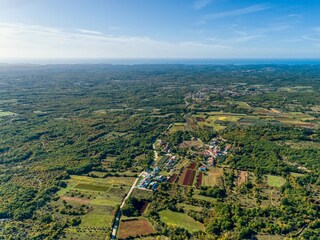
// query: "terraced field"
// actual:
[[100, 196]]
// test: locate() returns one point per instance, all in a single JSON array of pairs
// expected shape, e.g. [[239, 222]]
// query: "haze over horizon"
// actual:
[[81, 29]]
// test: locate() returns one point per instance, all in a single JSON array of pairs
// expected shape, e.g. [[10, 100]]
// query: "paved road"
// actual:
[[118, 215], [130, 191], [115, 226]]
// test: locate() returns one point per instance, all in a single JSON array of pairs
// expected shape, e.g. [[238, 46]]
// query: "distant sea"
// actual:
[[164, 61]]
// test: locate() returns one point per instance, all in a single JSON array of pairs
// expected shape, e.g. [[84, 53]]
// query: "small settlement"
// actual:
[[170, 166]]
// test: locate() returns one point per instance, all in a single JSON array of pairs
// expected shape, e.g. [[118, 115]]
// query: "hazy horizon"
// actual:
[[214, 29], [185, 61]]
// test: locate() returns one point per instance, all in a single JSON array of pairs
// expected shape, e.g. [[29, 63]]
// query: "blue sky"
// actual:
[[159, 29]]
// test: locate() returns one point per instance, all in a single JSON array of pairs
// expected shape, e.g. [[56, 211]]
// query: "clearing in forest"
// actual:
[[275, 181], [212, 177], [242, 177], [4, 114]]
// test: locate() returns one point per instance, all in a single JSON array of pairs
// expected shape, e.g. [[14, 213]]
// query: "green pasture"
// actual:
[[4, 114], [176, 219], [275, 181]]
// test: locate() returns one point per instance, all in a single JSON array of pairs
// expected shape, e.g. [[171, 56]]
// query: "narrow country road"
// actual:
[[130, 191], [118, 215], [116, 223], [155, 152]]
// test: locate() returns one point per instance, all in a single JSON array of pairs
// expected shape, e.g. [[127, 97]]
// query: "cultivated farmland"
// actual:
[[134, 228]]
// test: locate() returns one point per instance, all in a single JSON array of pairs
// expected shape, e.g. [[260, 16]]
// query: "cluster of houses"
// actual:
[[213, 151], [234, 91], [170, 163], [164, 147], [151, 179], [200, 95]]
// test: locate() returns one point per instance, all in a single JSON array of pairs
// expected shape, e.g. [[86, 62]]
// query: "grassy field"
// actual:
[[153, 238], [213, 117], [212, 177], [216, 126], [85, 183], [177, 127], [142, 194], [199, 116], [260, 116], [180, 220], [127, 181], [80, 234], [243, 105], [8, 101], [189, 207], [183, 163], [4, 114], [275, 181], [297, 174], [101, 216], [100, 196], [92, 187]]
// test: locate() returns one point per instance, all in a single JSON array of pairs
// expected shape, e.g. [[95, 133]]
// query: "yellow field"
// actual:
[[229, 118]]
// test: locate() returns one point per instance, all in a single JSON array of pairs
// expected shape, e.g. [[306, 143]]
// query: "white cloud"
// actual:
[[232, 41], [34, 41], [41, 42], [89, 32], [199, 4], [236, 12]]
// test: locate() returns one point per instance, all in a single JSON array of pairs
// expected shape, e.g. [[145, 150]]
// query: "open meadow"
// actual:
[[180, 220]]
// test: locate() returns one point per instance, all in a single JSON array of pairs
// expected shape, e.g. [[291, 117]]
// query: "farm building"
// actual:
[[202, 168]]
